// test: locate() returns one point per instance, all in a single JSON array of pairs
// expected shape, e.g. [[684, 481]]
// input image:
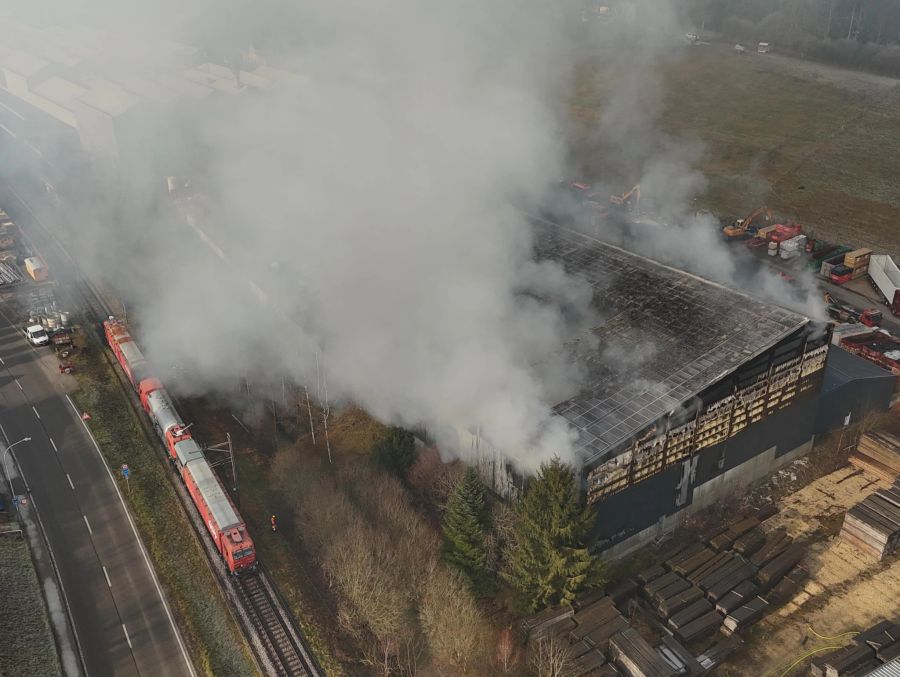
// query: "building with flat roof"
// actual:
[[693, 387]]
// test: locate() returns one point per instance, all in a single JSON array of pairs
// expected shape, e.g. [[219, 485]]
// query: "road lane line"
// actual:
[[88, 524], [70, 481], [159, 591], [20, 385], [53, 444], [8, 131], [34, 409], [14, 112], [106, 575], [2, 362], [127, 638]]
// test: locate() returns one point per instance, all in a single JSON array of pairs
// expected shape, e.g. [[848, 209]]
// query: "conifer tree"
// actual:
[[464, 529], [548, 561]]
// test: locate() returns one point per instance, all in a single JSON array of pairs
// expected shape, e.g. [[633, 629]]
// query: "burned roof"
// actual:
[[664, 336]]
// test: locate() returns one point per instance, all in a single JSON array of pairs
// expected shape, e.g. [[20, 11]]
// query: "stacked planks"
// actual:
[[869, 649], [632, 652], [596, 623], [549, 622], [744, 615], [873, 526], [879, 454], [725, 539]]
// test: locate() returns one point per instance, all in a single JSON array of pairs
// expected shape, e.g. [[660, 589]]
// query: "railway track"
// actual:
[[273, 633]]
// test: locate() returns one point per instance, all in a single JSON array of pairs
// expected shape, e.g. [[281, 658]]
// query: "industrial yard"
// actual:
[[462, 351]]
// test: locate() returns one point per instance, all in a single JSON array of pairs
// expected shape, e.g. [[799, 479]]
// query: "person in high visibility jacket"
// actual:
[[274, 525]]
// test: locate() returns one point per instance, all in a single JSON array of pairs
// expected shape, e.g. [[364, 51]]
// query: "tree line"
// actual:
[[862, 34], [423, 561]]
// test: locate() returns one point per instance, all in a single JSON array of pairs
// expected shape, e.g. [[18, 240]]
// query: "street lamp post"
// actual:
[[12, 492]]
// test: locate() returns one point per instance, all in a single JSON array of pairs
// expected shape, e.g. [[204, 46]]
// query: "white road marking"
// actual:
[[112, 479], [70, 481], [53, 444], [14, 112], [8, 131], [34, 409], [88, 524], [20, 385], [127, 638], [39, 153], [1, 361], [106, 575]]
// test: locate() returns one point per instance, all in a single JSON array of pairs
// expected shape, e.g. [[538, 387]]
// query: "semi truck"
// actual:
[[886, 277]]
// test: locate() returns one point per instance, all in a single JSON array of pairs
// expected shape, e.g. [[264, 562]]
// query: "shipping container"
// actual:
[[886, 277]]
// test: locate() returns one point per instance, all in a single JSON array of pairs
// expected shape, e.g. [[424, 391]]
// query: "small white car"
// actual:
[[36, 335]]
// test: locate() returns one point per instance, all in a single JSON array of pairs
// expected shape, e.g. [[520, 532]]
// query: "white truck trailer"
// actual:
[[886, 277]]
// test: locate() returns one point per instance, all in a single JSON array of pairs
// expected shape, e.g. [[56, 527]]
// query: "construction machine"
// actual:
[[630, 200], [748, 225]]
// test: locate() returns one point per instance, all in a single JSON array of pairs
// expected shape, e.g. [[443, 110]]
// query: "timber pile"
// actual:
[[775, 569], [776, 543], [704, 625], [636, 657], [750, 542], [725, 540], [675, 654], [740, 595], [869, 649], [745, 615], [677, 602], [879, 454], [689, 614], [595, 624], [873, 525], [788, 586], [549, 622]]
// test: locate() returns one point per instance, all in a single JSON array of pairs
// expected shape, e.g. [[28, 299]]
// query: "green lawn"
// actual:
[[824, 154], [26, 641]]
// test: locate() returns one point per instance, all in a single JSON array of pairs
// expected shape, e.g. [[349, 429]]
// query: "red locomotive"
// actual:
[[219, 514]]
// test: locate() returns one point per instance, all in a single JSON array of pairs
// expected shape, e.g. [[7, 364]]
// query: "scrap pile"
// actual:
[[9, 274], [878, 453], [867, 651], [727, 582], [873, 526]]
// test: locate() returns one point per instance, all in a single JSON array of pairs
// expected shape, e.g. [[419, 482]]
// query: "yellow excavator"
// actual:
[[749, 224], [631, 199]]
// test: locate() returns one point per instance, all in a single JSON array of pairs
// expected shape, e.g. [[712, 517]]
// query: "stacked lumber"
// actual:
[[690, 564], [879, 454], [623, 591], [549, 621], [883, 638], [750, 542], [663, 582], [588, 662], [689, 614], [651, 573], [740, 595], [718, 560], [675, 654], [843, 662], [679, 601], [745, 615], [704, 625], [636, 657], [600, 635], [683, 555], [724, 540], [776, 543], [873, 526], [775, 569], [788, 586], [591, 617]]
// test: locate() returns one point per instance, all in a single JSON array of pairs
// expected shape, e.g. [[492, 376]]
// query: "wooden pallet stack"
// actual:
[[873, 525], [878, 453]]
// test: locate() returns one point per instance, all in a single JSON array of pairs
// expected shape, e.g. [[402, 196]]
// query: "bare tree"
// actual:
[[506, 654], [451, 621], [551, 657]]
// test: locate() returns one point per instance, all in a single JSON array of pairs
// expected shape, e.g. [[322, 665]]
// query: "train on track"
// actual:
[[223, 521]]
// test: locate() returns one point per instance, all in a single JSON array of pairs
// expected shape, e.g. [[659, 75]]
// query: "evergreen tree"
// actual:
[[548, 561], [464, 527], [396, 451]]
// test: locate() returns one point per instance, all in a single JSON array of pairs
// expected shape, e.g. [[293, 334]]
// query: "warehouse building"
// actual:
[[695, 389]]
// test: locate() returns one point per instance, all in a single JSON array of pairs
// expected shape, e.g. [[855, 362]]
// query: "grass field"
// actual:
[[26, 642], [213, 638], [817, 144]]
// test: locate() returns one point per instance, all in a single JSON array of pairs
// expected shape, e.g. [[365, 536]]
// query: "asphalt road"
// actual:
[[121, 620]]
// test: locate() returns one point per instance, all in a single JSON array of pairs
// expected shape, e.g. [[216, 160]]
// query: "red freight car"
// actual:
[[222, 520]]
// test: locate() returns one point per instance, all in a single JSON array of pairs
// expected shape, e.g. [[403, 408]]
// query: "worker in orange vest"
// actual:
[[274, 527]]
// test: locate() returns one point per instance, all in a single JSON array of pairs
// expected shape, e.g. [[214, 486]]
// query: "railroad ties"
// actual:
[[286, 656]]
